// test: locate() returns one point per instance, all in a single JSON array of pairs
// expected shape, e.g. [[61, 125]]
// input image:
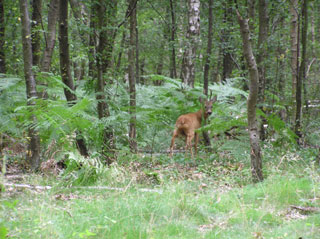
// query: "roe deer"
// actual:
[[187, 124]]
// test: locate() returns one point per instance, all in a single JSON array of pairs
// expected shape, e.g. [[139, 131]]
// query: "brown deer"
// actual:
[[188, 123]]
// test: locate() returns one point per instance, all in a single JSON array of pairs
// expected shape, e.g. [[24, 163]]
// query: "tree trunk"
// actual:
[[227, 63], [189, 56], [132, 82], [251, 13], [262, 54], [294, 49], [123, 39], [100, 8], [207, 64], [93, 40], [36, 31], [2, 39], [208, 55], [256, 162], [50, 37], [173, 67], [64, 53], [81, 16], [302, 68], [33, 155], [65, 67], [137, 49], [280, 74]]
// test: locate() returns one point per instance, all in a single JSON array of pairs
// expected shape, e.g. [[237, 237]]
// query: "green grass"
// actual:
[[191, 204]]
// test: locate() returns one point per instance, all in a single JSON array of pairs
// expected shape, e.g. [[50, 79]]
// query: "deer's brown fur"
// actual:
[[187, 124]]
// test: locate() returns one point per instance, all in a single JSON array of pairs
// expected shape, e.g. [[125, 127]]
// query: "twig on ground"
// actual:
[[82, 187]]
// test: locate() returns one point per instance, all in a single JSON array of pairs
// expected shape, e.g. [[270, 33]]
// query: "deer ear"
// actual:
[[214, 99]]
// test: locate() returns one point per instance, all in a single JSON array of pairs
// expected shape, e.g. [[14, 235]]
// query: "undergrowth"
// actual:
[[162, 197]]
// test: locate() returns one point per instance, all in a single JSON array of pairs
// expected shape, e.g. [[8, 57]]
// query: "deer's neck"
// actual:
[[200, 115]]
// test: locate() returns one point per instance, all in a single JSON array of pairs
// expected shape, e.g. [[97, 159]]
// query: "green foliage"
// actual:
[[193, 204], [12, 95], [81, 171], [281, 133]]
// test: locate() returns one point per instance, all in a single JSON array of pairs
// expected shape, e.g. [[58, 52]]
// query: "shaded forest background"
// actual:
[[106, 78]]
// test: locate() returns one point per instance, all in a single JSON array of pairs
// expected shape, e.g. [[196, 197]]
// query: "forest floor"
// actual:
[[154, 198]]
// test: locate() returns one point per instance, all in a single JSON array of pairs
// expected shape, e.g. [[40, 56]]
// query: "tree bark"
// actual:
[[33, 155], [294, 49], [262, 55], [188, 62], [280, 74], [50, 37], [2, 39], [132, 80], [93, 40], [137, 49], [64, 53], [302, 68], [208, 54], [251, 13], [123, 39], [65, 68], [35, 31], [256, 162], [207, 64], [173, 67], [103, 110], [80, 14], [227, 63]]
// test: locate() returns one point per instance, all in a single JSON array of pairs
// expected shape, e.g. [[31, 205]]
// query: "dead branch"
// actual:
[[306, 210], [81, 187]]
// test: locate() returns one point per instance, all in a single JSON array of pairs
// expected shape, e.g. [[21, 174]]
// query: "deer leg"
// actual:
[[190, 136], [196, 142], [175, 134]]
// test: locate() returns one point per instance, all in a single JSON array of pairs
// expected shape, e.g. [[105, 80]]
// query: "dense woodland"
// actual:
[[92, 85]]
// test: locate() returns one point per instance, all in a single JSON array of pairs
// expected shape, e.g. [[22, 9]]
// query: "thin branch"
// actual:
[[83, 187], [128, 13], [309, 66]]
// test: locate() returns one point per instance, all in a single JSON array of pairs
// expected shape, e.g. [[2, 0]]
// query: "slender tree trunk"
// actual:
[[2, 39], [188, 63], [137, 49], [209, 48], [173, 67], [207, 64], [80, 14], [251, 13], [100, 8], [33, 155], [256, 162], [280, 76], [132, 82], [227, 63], [294, 49], [50, 37], [93, 40], [65, 67], [123, 39], [64, 53], [262, 55], [142, 65], [302, 68], [35, 31]]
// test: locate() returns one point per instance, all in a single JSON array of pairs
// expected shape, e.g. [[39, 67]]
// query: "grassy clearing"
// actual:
[[207, 200]]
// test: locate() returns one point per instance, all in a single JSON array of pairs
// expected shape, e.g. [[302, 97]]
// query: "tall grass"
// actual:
[[194, 206]]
